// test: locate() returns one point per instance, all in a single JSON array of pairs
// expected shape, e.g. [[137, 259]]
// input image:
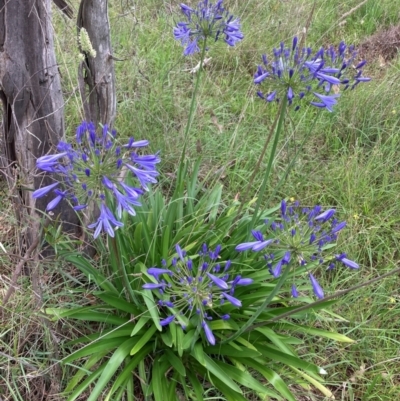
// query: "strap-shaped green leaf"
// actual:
[[139, 325], [113, 364], [217, 371], [175, 362], [276, 381], [117, 302], [143, 340]]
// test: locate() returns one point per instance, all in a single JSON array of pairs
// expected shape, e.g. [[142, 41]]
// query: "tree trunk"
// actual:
[[96, 72], [33, 120]]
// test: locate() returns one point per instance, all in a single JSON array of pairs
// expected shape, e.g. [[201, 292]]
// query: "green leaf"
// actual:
[[89, 271], [272, 377], [179, 340], [244, 378], [84, 370], [128, 369], [152, 308], [143, 340], [213, 368], [187, 339], [198, 353], [275, 339], [140, 323], [88, 314], [167, 338], [223, 325], [325, 391], [175, 362], [229, 350], [197, 387], [86, 383], [99, 346], [159, 382], [316, 332], [117, 302], [113, 364], [289, 360]]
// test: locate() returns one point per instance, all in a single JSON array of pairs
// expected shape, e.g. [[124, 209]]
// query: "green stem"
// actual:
[[257, 167], [282, 112], [192, 104], [121, 268], [293, 161], [260, 309]]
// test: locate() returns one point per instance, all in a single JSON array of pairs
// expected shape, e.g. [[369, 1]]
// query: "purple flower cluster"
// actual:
[[95, 171], [207, 20], [299, 74], [301, 237], [195, 289]]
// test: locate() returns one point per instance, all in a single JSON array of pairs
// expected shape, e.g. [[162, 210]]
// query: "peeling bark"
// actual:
[[30, 91], [97, 76]]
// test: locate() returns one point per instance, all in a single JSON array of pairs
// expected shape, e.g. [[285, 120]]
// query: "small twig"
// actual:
[[345, 15], [328, 298], [18, 269]]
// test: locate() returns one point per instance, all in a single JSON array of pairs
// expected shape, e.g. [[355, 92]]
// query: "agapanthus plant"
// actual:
[[195, 289], [95, 171], [301, 240], [207, 20], [299, 75]]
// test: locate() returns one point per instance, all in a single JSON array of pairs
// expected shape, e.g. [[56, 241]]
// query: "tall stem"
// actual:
[[192, 104], [282, 113], [257, 167]]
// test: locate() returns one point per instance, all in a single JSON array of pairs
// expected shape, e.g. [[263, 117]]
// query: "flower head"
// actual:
[[200, 289], [207, 20], [94, 171], [299, 74], [301, 239]]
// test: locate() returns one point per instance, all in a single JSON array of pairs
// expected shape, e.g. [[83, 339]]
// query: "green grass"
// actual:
[[350, 161]]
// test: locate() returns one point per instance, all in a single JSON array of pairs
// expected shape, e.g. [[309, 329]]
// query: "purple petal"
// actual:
[[245, 246], [295, 293], [153, 286], [349, 263], [167, 321], [245, 281], [234, 301], [325, 216], [318, 291], [155, 272], [209, 333], [43, 191], [218, 282]]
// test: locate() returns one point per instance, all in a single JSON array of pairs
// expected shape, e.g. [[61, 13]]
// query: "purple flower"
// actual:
[[325, 216], [327, 101], [318, 291], [44, 190], [209, 334], [245, 281], [105, 222], [90, 172], [296, 74], [167, 321], [234, 301], [218, 282], [347, 262], [295, 293], [156, 272], [207, 20]]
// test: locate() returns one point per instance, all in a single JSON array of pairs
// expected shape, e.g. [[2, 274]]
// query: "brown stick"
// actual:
[[18, 269]]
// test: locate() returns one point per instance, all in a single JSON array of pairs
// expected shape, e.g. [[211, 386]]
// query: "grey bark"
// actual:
[[30, 91], [97, 76]]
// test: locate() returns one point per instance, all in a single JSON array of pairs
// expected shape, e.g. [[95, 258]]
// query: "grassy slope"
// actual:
[[350, 162]]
